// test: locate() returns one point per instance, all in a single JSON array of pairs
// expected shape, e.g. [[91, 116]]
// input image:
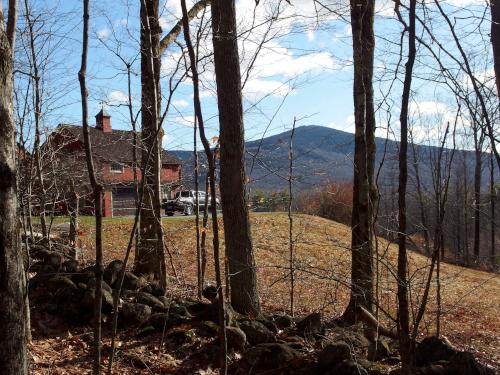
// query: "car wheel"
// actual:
[[170, 214], [188, 210]]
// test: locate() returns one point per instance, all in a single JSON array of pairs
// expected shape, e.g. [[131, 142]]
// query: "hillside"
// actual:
[[321, 154], [470, 298]]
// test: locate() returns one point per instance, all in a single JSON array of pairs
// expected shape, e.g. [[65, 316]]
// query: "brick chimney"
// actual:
[[103, 121]]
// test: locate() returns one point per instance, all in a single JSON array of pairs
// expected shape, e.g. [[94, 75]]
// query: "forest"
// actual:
[[332, 171]]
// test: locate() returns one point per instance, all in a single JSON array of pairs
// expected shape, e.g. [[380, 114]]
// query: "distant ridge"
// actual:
[[321, 154]]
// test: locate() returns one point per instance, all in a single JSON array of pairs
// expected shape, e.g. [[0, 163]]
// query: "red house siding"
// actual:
[[108, 204], [169, 173], [109, 147]]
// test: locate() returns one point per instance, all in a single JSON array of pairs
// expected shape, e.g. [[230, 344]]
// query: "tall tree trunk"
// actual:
[[368, 46], [421, 203], [42, 194], [364, 192], [211, 170], [98, 194], [150, 257], [492, 211], [13, 289], [406, 349], [203, 240], [477, 200], [197, 213], [239, 249], [291, 252], [495, 40], [73, 218], [133, 122]]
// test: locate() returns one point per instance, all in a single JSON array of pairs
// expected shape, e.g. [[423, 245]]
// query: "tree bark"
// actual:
[[406, 349], [42, 194], [495, 40], [291, 253], [492, 211], [172, 35], [477, 195], [150, 257], [98, 194], [239, 249], [211, 170], [73, 218], [364, 192], [13, 291]]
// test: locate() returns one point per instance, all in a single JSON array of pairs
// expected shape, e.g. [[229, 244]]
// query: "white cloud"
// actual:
[[428, 108], [384, 8], [310, 35], [276, 64], [117, 97], [350, 120], [103, 33], [486, 78], [348, 126], [180, 103], [464, 3], [276, 60], [186, 121], [257, 88]]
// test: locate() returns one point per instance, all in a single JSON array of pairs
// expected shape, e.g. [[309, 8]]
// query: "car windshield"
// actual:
[[185, 194]]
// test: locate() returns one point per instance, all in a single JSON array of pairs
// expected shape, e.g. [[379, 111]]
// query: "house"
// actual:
[[113, 156]]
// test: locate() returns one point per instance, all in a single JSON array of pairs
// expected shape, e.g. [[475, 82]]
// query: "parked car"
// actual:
[[185, 202]]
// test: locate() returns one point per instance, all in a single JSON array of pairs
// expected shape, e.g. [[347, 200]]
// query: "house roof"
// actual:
[[115, 146]]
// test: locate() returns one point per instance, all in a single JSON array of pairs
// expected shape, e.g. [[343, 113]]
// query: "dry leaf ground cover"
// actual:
[[470, 299]]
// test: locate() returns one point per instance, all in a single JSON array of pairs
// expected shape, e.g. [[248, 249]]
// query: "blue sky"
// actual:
[[303, 71]]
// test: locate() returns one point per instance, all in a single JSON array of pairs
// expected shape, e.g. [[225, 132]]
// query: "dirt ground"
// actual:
[[470, 299]]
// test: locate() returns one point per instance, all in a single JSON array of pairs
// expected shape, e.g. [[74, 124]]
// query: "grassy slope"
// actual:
[[471, 299]]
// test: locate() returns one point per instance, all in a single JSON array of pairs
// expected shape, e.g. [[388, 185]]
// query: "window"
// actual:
[[116, 168]]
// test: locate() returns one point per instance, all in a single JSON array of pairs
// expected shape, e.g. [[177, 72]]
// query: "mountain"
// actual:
[[322, 154]]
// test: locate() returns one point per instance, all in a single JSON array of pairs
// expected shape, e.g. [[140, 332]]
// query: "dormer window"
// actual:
[[116, 168]]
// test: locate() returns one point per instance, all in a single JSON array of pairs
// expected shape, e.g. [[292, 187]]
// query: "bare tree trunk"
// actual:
[[37, 104], [13, 291], [364, 191], [73, 218], [150, 257], [465, 208], [290, 221], [133, 122], [478, 145], [492, 210], [368, 45], [211, 166], [98, 195], [405, 346], [118, 289], [423, 215], [238, 240], [197, 213], [495, 40], [203, 248]]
